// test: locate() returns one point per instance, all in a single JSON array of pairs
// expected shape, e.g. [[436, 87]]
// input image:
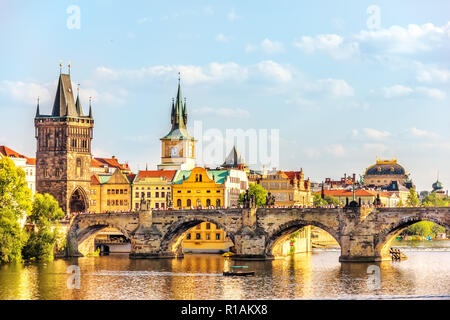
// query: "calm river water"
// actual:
[[317, 275]]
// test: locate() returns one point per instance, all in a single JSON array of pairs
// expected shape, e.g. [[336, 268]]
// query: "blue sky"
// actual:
[[343, 84]]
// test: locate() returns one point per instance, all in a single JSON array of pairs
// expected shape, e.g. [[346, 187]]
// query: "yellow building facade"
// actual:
[[154, 186], [288, 187], [206, 238], [110, 193], [199, 188]]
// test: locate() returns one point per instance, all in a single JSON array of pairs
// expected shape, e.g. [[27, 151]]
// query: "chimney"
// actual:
[[354, 177]]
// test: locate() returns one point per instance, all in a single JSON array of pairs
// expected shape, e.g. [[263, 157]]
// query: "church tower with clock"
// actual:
[[177, 152]]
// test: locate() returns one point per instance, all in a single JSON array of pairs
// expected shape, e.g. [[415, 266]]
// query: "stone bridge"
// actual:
[[364, 234]]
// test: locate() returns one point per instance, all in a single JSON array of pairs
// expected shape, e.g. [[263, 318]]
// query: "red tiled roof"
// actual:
[[167, 174], [94, 179], [110, 162], [131, 177], [31, 161], [7, 152]]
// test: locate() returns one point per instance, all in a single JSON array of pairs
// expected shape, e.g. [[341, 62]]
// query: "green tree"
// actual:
[[413, 199], [45, 215], [433, 200], [258, 191], [400, 203], [332, 200], [15, 205], [424, 228], [318, 201]]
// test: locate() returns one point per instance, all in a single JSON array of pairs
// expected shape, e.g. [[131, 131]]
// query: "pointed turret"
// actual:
[[234, 160], [178, 117], [184, 112], [64, 104], [78, 104], [90, 108], [37, 108]]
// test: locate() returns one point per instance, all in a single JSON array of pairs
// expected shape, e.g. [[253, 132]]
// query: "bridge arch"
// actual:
[[290, 227], [82, 231], [383, 240], [171, 241]]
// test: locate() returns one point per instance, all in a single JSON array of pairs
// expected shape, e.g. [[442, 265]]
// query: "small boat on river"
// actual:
[[235, 272]]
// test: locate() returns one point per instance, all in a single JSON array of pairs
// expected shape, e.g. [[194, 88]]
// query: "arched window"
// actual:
[[179, 203], [217, 203], [188, 203], [200, 177], [208, 202]]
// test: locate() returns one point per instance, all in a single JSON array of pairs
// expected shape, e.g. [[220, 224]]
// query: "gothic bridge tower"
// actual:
[[63, 154]]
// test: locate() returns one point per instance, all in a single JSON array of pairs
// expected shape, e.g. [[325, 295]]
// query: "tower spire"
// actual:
[[37, 108], [78, 102], [90, 108]]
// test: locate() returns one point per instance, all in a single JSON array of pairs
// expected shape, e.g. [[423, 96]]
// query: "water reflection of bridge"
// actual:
[[364, 234]]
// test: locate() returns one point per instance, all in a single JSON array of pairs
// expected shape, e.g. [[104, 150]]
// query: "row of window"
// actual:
[[158, 205], [117, 202], [198, 191], [148, 188], [117, 191], [198, 236], [149, 195], [197, 203]]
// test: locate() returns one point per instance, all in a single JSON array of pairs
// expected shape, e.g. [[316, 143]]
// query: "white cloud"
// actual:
[[432, 74], [332, 44], [335, 87], [422, 133], [232, 16], [274, 71], [222, 38], [190, 74], [268, 46], [27, 92], [396, 91], [271, 47], [432, 93], [336, 150], [395, 40], [376, 134], [400, 40], [223, 112]]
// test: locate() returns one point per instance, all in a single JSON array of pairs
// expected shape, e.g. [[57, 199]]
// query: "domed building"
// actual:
[[385, 172], [389, 176], [438, 188]]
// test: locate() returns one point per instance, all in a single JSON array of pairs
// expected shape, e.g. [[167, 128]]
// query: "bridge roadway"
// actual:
[[364, 234]]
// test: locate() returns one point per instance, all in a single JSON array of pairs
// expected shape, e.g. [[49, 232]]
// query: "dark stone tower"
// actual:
[[63, 154]]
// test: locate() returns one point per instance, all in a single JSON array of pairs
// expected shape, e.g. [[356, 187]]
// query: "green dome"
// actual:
[[437, 186]]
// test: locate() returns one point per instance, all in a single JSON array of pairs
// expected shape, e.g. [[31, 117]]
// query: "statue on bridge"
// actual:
[[249, 200], [169, 203], [270, 199], [145, 205]]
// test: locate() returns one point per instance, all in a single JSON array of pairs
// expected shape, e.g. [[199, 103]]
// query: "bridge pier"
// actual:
[[250, 244]]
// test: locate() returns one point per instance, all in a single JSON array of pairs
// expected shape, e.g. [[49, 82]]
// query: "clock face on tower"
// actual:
[[174, 152]]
